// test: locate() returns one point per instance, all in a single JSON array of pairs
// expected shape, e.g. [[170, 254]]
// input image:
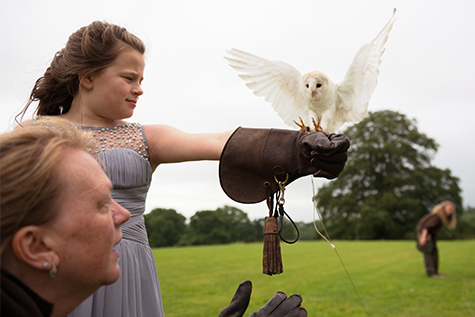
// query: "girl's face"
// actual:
[[88, 224], [115, 91]]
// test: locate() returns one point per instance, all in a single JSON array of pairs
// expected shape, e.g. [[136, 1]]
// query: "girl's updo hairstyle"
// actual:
[[89, 50]]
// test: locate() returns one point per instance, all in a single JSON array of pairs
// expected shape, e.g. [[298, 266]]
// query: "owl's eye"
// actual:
[[307, 85], [319, 85]]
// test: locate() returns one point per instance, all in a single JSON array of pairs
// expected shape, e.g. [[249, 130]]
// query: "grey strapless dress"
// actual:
[[137, 292]]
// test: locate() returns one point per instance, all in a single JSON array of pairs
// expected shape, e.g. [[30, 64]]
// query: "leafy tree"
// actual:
[[164, 227], [289, 232], [465, 226], [223, 225], [388, 183]]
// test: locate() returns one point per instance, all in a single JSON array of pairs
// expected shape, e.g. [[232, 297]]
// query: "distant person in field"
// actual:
[[427, 228]]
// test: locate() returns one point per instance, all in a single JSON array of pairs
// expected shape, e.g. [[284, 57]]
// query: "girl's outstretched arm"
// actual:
[[170, 145]]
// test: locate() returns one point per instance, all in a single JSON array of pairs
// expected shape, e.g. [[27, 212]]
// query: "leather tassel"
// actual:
[[272, 257]]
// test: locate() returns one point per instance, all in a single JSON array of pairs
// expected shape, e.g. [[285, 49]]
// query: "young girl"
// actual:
[[94, 82]]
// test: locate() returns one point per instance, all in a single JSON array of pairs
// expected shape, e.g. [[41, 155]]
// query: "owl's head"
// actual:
[[315, 84]]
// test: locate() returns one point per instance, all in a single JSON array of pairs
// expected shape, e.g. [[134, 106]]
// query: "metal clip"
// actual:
[[282, 188]]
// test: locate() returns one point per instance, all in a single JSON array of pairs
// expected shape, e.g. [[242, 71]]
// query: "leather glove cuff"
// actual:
[[253, 159]]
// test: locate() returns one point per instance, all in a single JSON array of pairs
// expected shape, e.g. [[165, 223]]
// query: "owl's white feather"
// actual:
[[314, 95]]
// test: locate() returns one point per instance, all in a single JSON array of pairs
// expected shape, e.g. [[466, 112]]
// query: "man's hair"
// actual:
[[29, 182]]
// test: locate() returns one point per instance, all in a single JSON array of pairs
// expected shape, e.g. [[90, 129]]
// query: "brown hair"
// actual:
[[89, 50], [29, 183]]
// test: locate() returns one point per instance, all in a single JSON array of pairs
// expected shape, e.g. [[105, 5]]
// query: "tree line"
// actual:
[[167, 227], [227, 224], [387, 185]]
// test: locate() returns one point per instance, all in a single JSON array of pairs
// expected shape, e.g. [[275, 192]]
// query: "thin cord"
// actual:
[[331, 244], [467, 304]]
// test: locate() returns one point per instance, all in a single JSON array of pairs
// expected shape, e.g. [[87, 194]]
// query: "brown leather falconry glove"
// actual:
[[254, 160]]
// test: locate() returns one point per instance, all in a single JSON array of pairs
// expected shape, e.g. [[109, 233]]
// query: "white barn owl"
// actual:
[[313, 101]]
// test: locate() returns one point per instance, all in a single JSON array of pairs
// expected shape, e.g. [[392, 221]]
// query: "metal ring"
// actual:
[[284, 182]]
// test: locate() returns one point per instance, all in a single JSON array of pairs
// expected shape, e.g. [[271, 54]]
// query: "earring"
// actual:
[[53, 271], [45, 264]]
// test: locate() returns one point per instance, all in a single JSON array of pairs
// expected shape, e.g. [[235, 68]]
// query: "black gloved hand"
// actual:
[[281, 306], [278, 306], [239, 302]]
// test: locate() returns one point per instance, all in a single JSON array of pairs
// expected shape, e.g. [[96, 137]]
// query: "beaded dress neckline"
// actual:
[[126, 136]]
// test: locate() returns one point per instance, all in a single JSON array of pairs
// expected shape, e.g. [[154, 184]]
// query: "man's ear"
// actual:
[[29, 247], [86, 80]]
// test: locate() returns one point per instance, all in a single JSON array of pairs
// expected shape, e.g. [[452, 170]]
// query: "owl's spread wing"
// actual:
[[362, 77], [278, 82]]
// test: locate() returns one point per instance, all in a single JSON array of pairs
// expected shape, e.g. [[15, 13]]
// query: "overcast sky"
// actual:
[[427, 72]]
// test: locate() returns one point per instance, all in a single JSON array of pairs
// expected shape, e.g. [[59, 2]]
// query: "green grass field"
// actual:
[[389, 276]]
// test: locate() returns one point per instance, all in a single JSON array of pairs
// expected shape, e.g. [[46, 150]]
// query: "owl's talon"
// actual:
[[303, 127], [317, 126]]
